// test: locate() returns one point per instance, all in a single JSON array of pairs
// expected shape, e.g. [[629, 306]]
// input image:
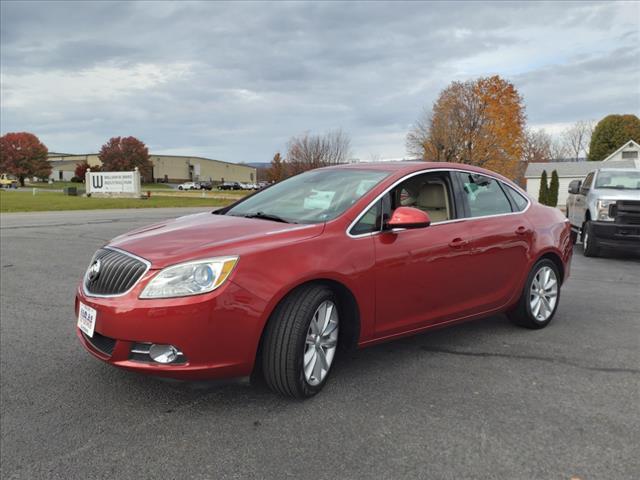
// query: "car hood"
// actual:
[[206, 235], [614, 194]]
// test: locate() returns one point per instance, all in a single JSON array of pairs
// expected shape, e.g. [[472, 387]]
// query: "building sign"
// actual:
[[113, 182]]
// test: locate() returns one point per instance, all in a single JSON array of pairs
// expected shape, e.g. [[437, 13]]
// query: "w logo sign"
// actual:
[[97, 181], [114, 183]]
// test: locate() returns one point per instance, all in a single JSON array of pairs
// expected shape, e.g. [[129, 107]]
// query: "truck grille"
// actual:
[[626, 212], [116, 273]]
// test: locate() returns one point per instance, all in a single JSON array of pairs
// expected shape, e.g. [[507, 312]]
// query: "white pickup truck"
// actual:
[[604, 210]]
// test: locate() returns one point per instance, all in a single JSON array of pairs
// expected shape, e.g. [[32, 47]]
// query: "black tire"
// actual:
[[284, 342], [521, 313], [590, 247], [179, 188]]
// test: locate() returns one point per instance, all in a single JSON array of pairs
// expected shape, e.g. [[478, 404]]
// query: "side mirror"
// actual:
[[574, 186], [408, 217]]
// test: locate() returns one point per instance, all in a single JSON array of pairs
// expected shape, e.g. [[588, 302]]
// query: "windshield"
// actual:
[[312, 197], [620, 180]]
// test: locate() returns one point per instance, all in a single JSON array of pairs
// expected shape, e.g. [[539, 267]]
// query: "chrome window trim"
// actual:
[[124, 252], [433, 170]]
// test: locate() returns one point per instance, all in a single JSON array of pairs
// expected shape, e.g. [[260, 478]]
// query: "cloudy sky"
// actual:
[[234, 81]]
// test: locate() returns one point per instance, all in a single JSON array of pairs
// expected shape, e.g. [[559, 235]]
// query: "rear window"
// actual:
[[519, 199]]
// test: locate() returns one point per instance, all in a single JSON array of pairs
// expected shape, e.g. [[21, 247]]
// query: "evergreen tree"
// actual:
[[544, 188]]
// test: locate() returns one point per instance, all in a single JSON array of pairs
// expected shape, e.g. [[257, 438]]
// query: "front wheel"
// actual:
[[540, 297], [590, 246], [301, 342]]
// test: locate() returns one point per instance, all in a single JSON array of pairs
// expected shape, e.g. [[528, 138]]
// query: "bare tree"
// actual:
[[418, 138], [537, 146], [306, 151], [577, 138], [559, 149]]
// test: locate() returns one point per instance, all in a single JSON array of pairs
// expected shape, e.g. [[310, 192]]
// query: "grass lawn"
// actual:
[[21, 201]]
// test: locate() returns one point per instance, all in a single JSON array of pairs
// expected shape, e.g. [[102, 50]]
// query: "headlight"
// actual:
[[190, 278], [603, 209]]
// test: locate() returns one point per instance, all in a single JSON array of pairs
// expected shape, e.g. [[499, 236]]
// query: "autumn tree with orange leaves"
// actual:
[[479, 122]]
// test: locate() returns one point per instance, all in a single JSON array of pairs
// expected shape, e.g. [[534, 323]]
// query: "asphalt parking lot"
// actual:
[[477, 401]]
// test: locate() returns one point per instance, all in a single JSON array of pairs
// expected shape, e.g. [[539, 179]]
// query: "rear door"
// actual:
[[501, 237]]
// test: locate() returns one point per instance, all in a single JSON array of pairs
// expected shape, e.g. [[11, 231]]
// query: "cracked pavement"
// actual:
[[480, 400]]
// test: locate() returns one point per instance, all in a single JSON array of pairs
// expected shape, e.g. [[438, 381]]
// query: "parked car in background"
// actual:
[[604, 210], [205, 185], [7, 181], [188, 186], [276, 284], [229, 186]]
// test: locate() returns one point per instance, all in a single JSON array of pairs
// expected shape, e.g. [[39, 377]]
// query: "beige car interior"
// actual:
[[431, 198]]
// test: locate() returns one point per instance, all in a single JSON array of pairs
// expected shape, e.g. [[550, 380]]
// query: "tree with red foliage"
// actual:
[[121, 154], [82, 167], [22, 154]]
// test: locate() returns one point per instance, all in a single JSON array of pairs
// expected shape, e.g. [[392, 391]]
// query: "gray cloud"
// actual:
[[236, 80]]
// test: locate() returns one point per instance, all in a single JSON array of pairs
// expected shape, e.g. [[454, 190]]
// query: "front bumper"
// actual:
[[617, 235], [218, 333]]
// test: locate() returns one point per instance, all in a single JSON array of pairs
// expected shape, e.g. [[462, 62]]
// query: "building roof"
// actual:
[[54, 156], [573, 169], [629, 144]]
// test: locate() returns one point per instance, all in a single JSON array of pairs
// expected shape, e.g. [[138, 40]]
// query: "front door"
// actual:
[[420, 273]]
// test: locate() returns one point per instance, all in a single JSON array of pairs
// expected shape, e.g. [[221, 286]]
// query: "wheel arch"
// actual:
[[349, 336], [556, 259]]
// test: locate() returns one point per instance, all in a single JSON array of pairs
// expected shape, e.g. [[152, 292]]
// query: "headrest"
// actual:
[[432, 194]]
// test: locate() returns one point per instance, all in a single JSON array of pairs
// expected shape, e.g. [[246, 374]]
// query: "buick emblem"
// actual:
[[94, 271]]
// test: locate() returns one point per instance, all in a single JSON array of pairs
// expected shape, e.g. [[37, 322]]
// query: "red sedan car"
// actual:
[[347, 256]]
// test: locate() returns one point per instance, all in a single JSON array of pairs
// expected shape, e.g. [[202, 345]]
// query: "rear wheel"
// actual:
[[540, 296], [590, 246], [301, 342]]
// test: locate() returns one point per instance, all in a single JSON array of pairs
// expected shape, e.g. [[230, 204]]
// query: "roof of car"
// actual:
[[404, 166]]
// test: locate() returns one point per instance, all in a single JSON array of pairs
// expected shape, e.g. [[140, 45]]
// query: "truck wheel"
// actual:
[[301, 341], [589, 241], [540, 297]]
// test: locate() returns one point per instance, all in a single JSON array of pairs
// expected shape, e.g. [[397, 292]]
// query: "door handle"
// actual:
[[458, 242], [521, 230]]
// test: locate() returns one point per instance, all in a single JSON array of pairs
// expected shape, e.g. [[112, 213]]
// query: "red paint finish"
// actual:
[[403, 282]]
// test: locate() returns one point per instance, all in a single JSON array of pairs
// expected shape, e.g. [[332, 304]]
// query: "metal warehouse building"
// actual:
[[166, 168]]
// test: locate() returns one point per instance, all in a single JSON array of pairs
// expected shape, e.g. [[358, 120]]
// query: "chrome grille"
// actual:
[[118, 273]]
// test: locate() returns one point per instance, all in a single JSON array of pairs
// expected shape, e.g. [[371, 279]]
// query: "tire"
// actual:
[[290, 341], [179, 188], [590, 246], [526, 313]]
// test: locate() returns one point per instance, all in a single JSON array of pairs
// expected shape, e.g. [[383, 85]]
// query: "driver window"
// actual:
[[429, 192]]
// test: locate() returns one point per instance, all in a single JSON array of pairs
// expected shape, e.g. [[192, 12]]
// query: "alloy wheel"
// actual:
[[321, 343], [543, 294]]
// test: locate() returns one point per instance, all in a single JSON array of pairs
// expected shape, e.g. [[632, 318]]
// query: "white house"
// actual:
[[626, 156]]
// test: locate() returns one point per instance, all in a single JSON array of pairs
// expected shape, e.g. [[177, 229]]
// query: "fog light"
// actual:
[[163, 353]]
